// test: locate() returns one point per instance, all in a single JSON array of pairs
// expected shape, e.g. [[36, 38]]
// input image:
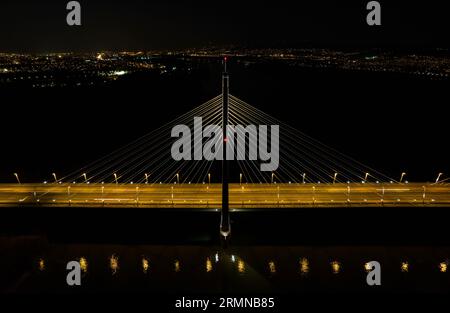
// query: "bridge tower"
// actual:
[[225, 227]]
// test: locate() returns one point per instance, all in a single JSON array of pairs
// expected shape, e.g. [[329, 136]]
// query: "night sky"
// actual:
[[40, 26], [395, 115]]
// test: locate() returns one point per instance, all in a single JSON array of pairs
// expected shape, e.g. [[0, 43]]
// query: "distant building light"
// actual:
[[118, 73]]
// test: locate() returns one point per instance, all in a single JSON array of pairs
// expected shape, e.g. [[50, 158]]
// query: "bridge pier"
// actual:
[[225, 225]]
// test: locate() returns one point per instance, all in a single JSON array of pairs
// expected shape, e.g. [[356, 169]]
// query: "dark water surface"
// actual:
[[34, 265], [269, 251]]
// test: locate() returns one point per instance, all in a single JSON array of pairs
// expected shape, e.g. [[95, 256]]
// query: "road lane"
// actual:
[[241, 196]]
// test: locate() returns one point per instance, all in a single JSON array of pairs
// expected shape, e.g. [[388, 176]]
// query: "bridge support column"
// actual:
[[225, 225]]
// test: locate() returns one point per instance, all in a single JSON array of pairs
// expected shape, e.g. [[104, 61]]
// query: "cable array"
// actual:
[[147, 160]]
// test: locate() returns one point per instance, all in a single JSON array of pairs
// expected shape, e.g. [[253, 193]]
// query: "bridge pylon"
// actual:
[[225, 225]]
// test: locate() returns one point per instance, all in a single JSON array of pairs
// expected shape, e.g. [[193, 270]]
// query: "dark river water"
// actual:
[[268, 252], [32, 264]]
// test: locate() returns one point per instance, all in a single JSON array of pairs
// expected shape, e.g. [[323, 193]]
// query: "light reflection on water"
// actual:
[[177, 266], [443, 267], [41, 265], [83, 265], [209, 266], [241, 267], [304, 266], [145, 265], [272, 267], [336, 267], [200, 267], [114, 264], [404, 267]]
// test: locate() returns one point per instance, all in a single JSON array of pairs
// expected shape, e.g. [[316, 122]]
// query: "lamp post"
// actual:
[[115, 178], [334, 178], [367, 176], [424, 194], [17, 177], [85, 177], [402, 176], [54, 176], [314, 195], [146, 178], [439, 176], [240, 179]]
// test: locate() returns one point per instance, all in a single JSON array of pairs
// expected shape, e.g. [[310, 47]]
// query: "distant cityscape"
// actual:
[[88, 69]]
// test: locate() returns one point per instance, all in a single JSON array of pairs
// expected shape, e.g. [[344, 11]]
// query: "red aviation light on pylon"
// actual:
[[225, 59]]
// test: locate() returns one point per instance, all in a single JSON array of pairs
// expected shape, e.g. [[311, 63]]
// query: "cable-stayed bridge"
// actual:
[[208, 196], [144, 174]]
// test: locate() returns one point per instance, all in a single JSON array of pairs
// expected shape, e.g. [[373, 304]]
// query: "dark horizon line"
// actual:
[[423, 48]]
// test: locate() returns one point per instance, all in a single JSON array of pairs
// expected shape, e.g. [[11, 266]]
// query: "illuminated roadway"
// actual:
[[245, 196]]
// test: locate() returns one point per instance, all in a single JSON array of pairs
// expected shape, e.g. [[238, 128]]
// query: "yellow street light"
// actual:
[[334, 178], [17, 177], [401, 177]]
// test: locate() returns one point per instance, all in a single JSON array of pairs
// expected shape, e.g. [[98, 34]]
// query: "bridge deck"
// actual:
[[245, 196]]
